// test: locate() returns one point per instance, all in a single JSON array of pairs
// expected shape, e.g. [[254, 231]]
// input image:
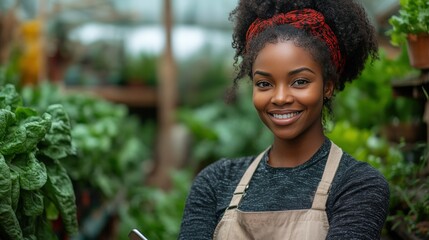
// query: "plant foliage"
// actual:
[[141, 68], [409, 205], [33, 182], [413, 18], [109, 141], [155, 212], [361, 101], [226, 130]]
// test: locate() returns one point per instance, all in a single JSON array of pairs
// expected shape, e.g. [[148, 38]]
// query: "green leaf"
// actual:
[[23, 113], [58, 113], [36, 131], [28, 226], [7, 118], [32, 173], [413, 18], [15, 189], [14, 141], [44, 230], [9, 223], [32, 202], [9, 98], [51, 211], [5, 181], [58, 142], [59, 190]]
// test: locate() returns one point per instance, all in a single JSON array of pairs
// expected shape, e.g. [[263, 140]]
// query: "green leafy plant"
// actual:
[[113, 149], [109, 141], [9, 71], [413, 18], [226, 130], [141, 69], [365, 145], [34, 185], [155, 212], [409, 207], [361, 101], [204, 77]]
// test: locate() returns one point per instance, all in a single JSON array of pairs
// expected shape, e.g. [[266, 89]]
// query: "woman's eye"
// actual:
[[263, 84], [300, 82]]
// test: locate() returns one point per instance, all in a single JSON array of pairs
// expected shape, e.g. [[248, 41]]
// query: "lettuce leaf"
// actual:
[[32, 172], [44, 230], [5, 181], [7, 118], [8, 221], [57, 143], [59, 189], [15, 189], [9, 98], [14, 141], [36, 131], [32, 202], [31, 194], [24, 113]]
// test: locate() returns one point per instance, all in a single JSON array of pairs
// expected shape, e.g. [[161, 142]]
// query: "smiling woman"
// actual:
[[297, 55], [288, 95]]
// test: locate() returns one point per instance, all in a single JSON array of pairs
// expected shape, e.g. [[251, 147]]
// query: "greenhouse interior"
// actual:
[[110, 108]]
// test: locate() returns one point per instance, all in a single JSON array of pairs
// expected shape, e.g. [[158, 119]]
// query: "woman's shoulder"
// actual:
[[352, 172], [353, 167]]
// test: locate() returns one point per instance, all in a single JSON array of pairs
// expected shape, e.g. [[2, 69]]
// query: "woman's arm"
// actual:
[[199, 218], [360, 205]]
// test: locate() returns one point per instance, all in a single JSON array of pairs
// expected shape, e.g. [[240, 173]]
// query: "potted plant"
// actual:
[[141, 69], [412, 26]]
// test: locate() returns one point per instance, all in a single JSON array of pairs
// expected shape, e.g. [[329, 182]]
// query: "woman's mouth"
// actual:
[[285, 115]]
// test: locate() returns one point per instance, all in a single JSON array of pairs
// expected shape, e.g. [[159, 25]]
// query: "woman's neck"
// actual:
[[292, 153]]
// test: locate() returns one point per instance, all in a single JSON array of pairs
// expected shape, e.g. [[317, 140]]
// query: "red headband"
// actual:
[[307, 19]]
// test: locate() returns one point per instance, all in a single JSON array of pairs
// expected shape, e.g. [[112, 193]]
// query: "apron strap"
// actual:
[[321, 196], [244, 182]]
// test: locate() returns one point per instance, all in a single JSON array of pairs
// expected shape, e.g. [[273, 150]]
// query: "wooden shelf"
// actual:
[[412, 87], [417, 88], [133, 96]]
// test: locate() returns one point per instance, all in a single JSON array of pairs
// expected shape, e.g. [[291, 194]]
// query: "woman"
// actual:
[[297, 55]]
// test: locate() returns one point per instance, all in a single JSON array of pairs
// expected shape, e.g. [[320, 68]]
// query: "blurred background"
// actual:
[[143, 84]]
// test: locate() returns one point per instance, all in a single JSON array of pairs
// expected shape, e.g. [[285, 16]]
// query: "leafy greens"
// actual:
[[32, 177]]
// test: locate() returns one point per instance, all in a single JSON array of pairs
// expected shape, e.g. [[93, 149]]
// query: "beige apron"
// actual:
[[306, 224]]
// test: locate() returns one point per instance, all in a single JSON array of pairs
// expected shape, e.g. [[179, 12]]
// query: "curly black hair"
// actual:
[[347, 19]]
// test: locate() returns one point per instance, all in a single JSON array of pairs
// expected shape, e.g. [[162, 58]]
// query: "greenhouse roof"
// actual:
[[151, 11]]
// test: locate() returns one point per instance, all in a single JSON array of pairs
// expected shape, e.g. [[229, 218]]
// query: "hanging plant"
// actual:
[[412, 26]]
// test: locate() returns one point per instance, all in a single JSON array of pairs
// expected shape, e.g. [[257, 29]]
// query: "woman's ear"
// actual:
[[328, 91]]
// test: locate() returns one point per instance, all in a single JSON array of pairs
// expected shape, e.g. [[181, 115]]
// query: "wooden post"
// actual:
[[165, 158], [42, 40]]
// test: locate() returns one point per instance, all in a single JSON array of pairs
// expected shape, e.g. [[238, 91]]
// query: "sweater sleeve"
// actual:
[[360, 205], [199, 217]]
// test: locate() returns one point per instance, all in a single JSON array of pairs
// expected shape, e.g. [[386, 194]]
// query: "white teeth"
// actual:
[[285, 116]]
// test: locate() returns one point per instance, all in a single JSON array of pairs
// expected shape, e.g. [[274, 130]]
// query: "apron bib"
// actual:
[[306, 224]]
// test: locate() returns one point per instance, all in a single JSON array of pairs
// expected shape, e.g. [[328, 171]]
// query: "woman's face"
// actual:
[[288, 91]]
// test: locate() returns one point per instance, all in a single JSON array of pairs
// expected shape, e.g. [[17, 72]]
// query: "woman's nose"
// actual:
[[282, 96]]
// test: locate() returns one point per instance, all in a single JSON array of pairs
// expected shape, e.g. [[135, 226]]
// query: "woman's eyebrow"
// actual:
[[291, 73], [301, 69], [261, 73]]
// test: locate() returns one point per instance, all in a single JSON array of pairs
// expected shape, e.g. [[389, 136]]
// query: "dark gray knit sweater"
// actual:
[[357, 205]]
